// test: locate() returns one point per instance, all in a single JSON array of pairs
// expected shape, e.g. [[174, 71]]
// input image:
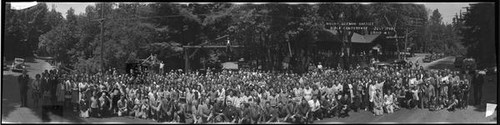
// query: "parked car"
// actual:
[[427, 59], [399, 62], [18, 65], [4, 64], [382, 64], [459, 61], [469, 64]]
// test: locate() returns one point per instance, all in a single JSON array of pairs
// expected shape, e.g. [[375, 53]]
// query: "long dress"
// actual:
[[372, 91], [36, 91], [389, 103], [60, 92], [378, 105], [308, 94]]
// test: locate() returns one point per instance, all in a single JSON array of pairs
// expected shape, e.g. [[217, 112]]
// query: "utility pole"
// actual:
[[102, 40]]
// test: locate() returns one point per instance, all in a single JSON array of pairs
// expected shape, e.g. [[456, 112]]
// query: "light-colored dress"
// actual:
[[308, 94], [372, 91], [378, 105], [60, 92]]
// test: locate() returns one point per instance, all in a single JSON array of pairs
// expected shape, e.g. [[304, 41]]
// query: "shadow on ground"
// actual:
[[11, 101]]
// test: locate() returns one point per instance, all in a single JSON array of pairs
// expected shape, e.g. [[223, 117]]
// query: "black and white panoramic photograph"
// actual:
[[249, 62]]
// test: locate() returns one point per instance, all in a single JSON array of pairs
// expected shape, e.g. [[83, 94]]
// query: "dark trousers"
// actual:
[[364, 102], [114, 110], [344, 112], [95, 112], [356, 104], [182, 118], [24, 98], [370, 106], [477, 94], [168, 116], [317, 114], [53, 97], [68, 104], [465, 99]]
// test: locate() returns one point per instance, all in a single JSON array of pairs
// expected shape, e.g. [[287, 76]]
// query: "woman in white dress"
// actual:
[[372, 91], [60, 92]]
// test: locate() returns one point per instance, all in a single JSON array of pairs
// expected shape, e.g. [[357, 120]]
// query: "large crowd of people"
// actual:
[[253, 96]]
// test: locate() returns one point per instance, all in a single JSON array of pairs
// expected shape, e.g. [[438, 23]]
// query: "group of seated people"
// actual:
[[258, 97]]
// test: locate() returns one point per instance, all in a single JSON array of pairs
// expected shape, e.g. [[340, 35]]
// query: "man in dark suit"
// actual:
[[23, 87], [52, 86], [478, 86]]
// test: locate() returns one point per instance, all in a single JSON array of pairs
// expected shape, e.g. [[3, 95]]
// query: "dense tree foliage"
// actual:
[[23, 27], [271, 33], [443, 38], [478, 34]]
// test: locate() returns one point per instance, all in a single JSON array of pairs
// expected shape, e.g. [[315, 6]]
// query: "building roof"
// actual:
[[358, 38]]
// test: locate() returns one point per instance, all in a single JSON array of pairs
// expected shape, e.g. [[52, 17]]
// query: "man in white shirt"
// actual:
[[315, 108]]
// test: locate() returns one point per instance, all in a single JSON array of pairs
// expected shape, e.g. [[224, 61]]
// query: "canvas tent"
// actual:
[[230, 65], [358, 38]]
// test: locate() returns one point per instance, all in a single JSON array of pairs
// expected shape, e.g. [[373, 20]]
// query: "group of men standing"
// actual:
[[43, 88]]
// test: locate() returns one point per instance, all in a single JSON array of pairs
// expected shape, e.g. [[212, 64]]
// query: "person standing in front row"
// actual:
[[36, 89], [23, 87]]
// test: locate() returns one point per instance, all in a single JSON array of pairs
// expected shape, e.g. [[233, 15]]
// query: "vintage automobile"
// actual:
[[399, 62], [459, 61], [18, 65], [427, 59], [469, 64], [4, 64]]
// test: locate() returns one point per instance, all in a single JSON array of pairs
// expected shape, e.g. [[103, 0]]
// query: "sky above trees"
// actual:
[[447, 10]]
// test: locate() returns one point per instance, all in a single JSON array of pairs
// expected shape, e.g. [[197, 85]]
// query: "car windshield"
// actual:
[[19, 60]]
